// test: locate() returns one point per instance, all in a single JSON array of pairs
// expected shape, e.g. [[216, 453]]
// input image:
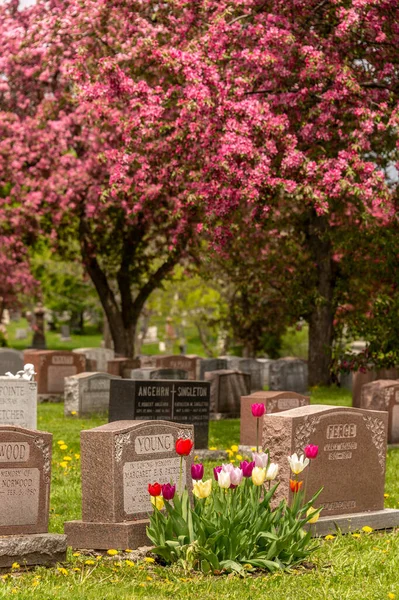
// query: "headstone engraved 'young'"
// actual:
[[119, 460], [274, 402], [289, 374], [350, 465], [52, 367], [18, 402], [383, 394], [359, 379], [10, 361], [179, 362], [227, 387], [99, 356], [87, 393], [25, 473], [212, 364], [179, 401]]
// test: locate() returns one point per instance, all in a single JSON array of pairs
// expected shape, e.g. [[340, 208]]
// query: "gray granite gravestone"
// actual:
[[18, 402], [184, 402], [289, 374], [87, 393], [227, 387], [10, 360], [100, 355], [212, 364], [119, 460]]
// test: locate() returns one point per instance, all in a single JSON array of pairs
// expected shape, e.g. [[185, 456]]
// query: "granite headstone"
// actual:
[[119, 460], [289, 374], [184, 402], [10, 361], [359, 379], [179, 362], [227, 387], [383, 394], [87, 393], [52, 367], [18, 402], [100, 355], [212, 364]]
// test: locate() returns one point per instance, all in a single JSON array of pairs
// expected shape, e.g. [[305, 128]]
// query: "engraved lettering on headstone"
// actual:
[[346, 430], [151, 444], [14, 451], [19, 496]]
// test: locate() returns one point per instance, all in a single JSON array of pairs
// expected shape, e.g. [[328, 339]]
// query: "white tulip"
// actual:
[[298, 464]]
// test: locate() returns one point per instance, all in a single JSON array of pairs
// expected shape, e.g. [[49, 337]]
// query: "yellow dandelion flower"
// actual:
[[73, 413], [61, 442], [76, 554], [67, 458], [149, 559], [142, 584], [15, 565], [90, 562], [4, 576], [234, 448], [77, 456], [62, 570], [212, 448], [367, 529], [112, 552], [14, 590], [35, 582], [63, 464], [128, 550], [129, 563], [329, 537], [63, 447], [386, 495], [356, 535], [239, 457], [391, 596], [99, 557], [253, 449], [149, 578], [77, 570]]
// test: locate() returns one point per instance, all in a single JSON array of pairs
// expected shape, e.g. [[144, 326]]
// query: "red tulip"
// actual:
[[311, 451], [295, 486], [184, 447], [155, 489], [258, 410]]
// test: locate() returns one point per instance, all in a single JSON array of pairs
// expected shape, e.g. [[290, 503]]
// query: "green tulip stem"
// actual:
[[181, 476], [257, 434]]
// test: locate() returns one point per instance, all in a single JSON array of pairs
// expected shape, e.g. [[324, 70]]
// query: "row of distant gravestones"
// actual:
[[121, 458]]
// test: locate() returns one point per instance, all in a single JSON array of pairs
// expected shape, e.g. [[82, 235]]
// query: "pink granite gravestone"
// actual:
[[52, 367], [119, 460], [274, 402], [360, 379], [178, 362], [383, 394], [352, 451]]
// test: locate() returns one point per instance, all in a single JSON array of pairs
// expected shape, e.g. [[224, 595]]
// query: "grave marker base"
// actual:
[[33, 549], [103, 536], [379, 519]]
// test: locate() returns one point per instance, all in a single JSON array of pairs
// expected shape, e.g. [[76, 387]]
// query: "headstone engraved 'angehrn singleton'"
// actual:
[[352, 451], [119, 460], [178, 401]]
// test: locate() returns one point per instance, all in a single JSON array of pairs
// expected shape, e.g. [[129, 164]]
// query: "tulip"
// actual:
[[247, 468], [260, 459], [197, 471], [227, 467], [310, 511], [295, 486], [158, 502], [258, 475], [224, 480], [258, 410], [216, 471], [298, 464], [184, 446], [168, 491], [236, 476], [272, 471], [202, 489], [155, 489], [311, 451]]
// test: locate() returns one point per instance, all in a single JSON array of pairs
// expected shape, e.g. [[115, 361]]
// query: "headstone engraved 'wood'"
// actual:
[[119, 460], [212, 364], [350, 465], [99, 356], [18, 402], [179, 362], [274, 402], [87, 393], [359, 379], [383, 394], [227, 387], [184, 402], [10, 361], [52, 367], [289, 374]]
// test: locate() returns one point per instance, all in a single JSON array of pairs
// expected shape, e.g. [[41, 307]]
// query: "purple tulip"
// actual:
[[168, 491], [197, 471], [247, 467], [216, 471], [258, 410]]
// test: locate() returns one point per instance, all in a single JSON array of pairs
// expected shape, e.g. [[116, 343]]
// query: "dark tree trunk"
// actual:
[[321, 317]]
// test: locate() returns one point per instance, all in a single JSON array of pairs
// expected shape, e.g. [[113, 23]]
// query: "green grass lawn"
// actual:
[[352, 567]]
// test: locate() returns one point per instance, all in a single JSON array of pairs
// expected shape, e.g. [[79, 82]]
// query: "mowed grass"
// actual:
[[350, 567]]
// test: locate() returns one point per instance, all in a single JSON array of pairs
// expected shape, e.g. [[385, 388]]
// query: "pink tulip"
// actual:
[[311, 451], [258, 410]]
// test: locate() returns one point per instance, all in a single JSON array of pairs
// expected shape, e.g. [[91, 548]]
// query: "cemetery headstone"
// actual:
[[65, 333], [18, 402], [147, 360], [10, 360], [255, 368], [52, 367], [184, 402], [119, 460], [116, 366], [359, 379], [179, 362], [350, 465], [150, 373], [274, 402], [21, 334], [289, 374], [87, 393], [39, 338], [383, 394], [25, 473], [227, 387], [212, 364], [265, 362], [99, 356]]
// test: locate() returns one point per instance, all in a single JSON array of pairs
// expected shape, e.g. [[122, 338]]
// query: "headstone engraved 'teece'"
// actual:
[[52, 367], [119, 460], [350, 465]]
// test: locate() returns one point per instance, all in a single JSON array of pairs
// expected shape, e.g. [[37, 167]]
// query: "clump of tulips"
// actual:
[[232, 522]]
